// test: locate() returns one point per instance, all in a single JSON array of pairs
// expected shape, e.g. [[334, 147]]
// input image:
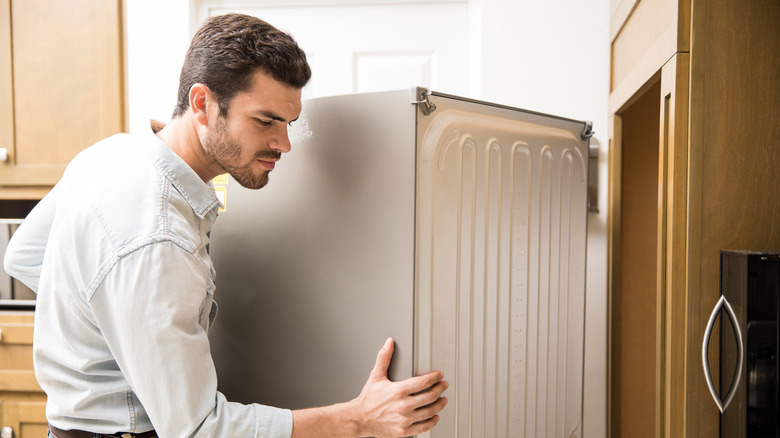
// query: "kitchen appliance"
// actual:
[[749, 395], [455, 226], [14, 295]]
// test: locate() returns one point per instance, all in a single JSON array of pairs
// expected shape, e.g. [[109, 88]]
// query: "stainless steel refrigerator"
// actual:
[[456, 227]]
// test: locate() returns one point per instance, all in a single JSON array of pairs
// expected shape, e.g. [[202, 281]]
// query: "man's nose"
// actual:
[[281, 142]]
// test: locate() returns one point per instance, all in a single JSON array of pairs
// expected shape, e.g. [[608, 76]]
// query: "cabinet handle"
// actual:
[[1, 340], [722, 302], [3, 159], [6, 432]]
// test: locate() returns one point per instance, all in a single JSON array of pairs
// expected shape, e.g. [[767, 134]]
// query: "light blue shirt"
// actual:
[[118, 254]]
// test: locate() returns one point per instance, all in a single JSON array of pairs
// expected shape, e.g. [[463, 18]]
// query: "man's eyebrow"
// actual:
[[273, 116]]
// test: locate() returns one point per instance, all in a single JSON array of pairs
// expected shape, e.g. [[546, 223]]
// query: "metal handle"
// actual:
[[1, 339], [3, 155], [6, 432], [722, 302]]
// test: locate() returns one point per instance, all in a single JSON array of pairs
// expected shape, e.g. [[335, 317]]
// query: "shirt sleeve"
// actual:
[[151, 308], [24, 254]]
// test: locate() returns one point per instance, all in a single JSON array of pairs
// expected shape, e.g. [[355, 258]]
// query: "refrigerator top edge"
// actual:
[[420, 96], [586, 125]]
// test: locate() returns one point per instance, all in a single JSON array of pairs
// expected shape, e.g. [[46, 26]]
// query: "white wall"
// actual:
[[549, 56], [158, 34]]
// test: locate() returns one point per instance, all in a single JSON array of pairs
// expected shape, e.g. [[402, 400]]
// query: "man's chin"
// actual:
[[253, 182]]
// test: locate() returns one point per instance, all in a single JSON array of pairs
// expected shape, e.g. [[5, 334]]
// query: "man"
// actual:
[[118, 253]]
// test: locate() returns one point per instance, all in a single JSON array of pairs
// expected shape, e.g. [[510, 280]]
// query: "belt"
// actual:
[[59, 433]]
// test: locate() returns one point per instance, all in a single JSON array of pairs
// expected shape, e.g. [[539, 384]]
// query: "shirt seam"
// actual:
[[142, 243], [103, 226], [131, 410], [164, 198]]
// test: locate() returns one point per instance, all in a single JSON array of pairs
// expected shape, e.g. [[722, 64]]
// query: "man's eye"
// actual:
[[264, 122]]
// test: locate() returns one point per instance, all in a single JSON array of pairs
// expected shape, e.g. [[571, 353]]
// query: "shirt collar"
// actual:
[[199, 195]]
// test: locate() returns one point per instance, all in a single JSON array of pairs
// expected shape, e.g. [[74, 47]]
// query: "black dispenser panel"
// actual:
[[750, 281]]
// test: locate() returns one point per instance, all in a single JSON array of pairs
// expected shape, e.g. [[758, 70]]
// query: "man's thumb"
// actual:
[[383, 360]]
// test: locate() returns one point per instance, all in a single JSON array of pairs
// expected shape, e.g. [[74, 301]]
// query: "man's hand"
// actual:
[[383, 409], [393, 409]]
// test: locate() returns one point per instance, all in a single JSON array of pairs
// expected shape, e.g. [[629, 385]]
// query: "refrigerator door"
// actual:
[[501, 233], [456, 227], [316, 270]]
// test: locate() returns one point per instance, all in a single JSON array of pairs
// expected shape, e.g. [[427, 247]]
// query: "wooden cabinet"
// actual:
[[61, 87], [22, 401], [694, 169], [25, 419]]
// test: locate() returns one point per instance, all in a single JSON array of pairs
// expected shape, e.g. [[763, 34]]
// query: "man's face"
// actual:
[[251, 139]]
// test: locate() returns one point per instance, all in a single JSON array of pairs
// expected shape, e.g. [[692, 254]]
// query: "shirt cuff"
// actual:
[[273, 422]]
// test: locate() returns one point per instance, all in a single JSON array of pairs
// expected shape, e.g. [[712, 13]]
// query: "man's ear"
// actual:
[[200, 99]]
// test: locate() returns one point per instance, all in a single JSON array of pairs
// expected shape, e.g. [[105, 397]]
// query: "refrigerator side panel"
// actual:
[[501, 225], [316, 270]]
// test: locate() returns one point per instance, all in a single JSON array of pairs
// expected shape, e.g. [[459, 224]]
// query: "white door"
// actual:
[[360, 46]]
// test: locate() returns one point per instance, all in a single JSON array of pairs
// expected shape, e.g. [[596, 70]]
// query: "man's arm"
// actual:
[[383, 408], [24, 255], [149, 309]]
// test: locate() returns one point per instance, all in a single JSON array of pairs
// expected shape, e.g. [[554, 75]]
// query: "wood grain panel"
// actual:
[[735, 158], [19, 381], [634, 298], [16, 346], [650, 33], [66, 84], [647, 38], [16, 365], [26, 419], [6, 78], [672, 240], [22, 401]]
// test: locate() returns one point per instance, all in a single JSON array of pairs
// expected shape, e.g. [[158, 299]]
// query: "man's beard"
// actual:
[[226, 152]]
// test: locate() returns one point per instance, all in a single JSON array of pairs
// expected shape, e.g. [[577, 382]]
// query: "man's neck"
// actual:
[[181, 135]]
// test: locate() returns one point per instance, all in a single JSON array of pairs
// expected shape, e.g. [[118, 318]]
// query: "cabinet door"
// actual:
[[60, 84], [25, 419], [734, 166], [16, 365], [22, 402]]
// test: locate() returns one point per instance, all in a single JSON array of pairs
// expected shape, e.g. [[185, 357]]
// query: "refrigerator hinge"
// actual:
[[587, 131], [420, 97]]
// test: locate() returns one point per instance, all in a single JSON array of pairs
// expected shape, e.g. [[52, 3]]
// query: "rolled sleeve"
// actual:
[[273, 422], [152, 308]]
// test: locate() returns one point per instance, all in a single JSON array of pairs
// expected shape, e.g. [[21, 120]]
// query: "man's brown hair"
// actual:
[[228, 49]]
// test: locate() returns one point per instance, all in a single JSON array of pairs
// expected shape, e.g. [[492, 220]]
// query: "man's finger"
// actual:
[[383, 360], [422, 383], [431, 395], [426, 412], [423, 426]]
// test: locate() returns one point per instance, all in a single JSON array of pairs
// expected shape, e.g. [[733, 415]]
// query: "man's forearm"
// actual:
[[334, 421]]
